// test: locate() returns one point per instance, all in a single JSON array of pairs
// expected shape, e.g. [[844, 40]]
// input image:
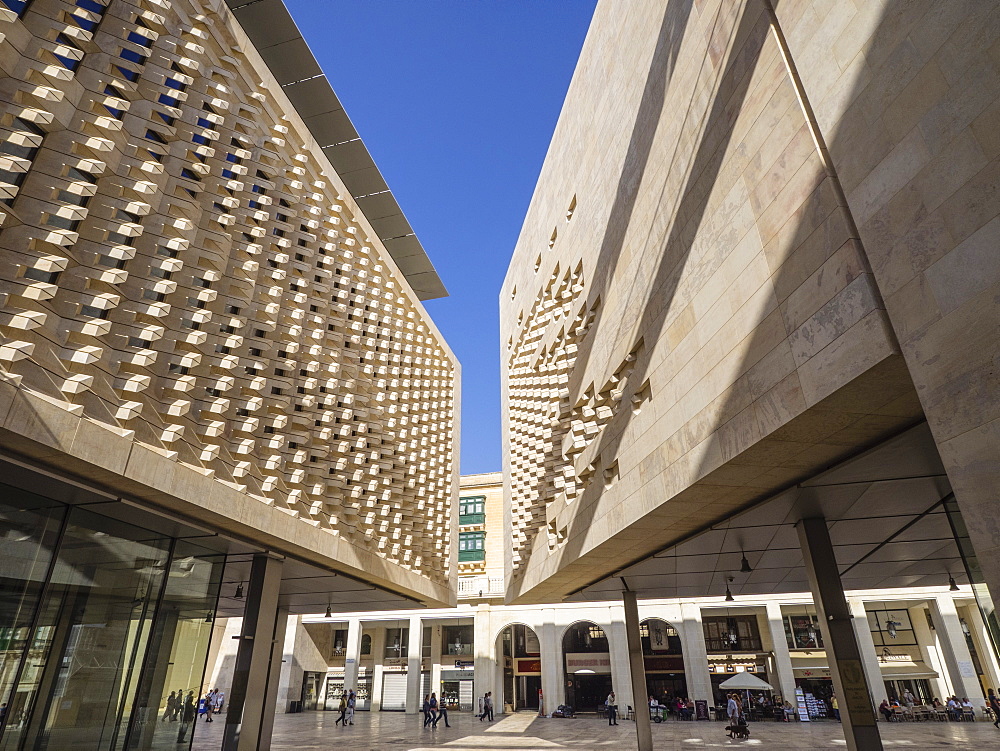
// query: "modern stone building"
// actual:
[[762, 245], [219, 391]]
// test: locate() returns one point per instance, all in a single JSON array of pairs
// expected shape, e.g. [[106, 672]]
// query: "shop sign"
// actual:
[[584, 662], [671, 664], [529, 666], [394, 662], [464, 663]]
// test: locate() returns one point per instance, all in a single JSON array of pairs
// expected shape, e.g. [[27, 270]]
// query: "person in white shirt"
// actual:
[[733, 711], [612, 706]]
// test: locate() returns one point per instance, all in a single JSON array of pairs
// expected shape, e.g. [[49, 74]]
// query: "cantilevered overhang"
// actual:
[[887, 510], [277, 39]]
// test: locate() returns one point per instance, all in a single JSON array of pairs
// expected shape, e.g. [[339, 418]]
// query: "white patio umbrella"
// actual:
[[746, 682]]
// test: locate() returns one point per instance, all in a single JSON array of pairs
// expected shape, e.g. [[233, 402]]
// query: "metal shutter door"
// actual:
[[465, 696], [393, 692], [425, 686]]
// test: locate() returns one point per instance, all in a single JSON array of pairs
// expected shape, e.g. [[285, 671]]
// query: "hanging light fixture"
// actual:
[[729, 594], [209, 618], [239, 591], [952, 584], [745, 567], [329, 612]]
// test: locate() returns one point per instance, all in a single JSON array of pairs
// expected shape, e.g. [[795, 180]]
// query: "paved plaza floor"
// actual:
[[385, 731]]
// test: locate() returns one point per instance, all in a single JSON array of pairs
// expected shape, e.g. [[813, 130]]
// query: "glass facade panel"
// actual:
[[93, 623], [172, 673], [29, 530], [100, 621]]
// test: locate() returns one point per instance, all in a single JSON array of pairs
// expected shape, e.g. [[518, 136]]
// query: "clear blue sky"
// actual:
[[456, 101]]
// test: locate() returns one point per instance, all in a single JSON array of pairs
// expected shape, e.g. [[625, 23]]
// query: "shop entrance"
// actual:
[[664, 661], [587, 693], [587, 662], [334, 690], [518, 649], [528, 687]]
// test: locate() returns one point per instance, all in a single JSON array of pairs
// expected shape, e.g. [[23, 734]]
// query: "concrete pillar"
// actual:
[[955, 650], [352, 654], [857, 715], [437, 637], [378, 660], [621, 674], [487, 658], [699, 684], [247, 701], [273, 680], [553, 670], [637, 671], [984, 644], [782, 657], [414, 701], [869, 657]]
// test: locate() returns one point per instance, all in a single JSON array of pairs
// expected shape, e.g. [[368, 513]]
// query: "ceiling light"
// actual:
[[745, 568], [729, 594], [239, 591], [329, 612], [952, 585]]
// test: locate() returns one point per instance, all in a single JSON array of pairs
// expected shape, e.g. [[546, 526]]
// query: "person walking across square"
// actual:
[[612, 708]]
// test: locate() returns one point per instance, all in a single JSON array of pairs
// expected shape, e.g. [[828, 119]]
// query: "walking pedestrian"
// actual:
[[426, 709], [994, 704], [352, 699], [482, 707], [489, 706], [171, 709], [433, 708], [206, 706], [220, 696], [188, 714], [342, 708], [612, 708], [442, 713]]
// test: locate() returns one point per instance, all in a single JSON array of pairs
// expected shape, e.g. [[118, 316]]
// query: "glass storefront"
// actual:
[[103, 626]]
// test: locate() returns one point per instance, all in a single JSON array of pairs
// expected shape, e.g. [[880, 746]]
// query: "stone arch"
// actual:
[[519, 656], [586, 665]]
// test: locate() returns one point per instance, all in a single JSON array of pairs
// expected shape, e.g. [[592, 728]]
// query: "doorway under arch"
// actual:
[[587, 665], [520, 652], [663, 658]]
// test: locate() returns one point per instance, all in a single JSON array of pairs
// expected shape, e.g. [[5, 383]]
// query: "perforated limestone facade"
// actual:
[[758, 244], [194, 307]]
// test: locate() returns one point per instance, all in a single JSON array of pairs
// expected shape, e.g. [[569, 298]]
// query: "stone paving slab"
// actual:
[[315, 731]]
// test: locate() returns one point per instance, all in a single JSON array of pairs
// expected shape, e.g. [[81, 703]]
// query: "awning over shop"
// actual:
[[906, 670]]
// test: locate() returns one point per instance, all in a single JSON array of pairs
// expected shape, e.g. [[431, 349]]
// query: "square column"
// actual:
[[553, 680], [857, 715], [637, 671], [782, 656], [378, 658], [487, 659], [248, 697], [955, 650], [274, 679], [437, 635], [869, 658], [621, 674], [352, 654], [414, 647], [695, 655]]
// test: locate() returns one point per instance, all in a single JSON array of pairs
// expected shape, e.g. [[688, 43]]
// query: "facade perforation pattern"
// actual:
[[180, 264]]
